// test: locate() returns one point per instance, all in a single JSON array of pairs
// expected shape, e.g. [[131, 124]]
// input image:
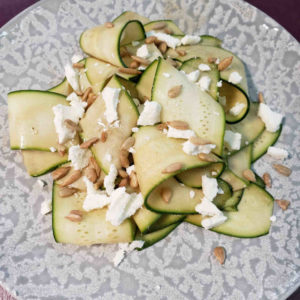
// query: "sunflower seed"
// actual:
[[60, 172], [175, 91], [174, 167], [87, 144], [249, 175], [219, 253], [166, 194], [283, 170], [225, 63]]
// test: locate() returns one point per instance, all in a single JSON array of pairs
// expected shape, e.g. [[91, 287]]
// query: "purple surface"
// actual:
[[286, 13]]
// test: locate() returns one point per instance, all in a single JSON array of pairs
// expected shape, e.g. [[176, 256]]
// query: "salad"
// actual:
[[151, 128]]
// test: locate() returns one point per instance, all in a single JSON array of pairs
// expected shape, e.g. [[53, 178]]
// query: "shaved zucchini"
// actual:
[[121, 33], [252, 218], [166, 220], [240, 161], [205, 52], [234, 96], [235, 182], [38, 163], [170, 25], [250, 127], [144, 218], [232, 203], [145, 83], [63, 88], [221, 199], [30, 114], [259, 181], [192, 64], [154, 152], [209, 40], [263, 142], [130, 15], [128, 116], [192, 105], [193, 178], [156, 236], [93, 229]]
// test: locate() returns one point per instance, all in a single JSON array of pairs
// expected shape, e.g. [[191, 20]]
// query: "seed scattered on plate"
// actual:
[[109, 25], [249, 175], [283, 170], [267, 180], [219, 253], [283, 204]]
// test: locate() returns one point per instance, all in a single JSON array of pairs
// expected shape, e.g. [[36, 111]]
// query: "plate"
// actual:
[[34, 46]]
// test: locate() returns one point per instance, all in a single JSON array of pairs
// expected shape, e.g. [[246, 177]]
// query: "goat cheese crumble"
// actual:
[[192, 149], [271, 118], [277, 153], [204, 83], [237, 109], [193, 76], [171, 41], [109, 180], [233, 139], [143, 52], [150, 114], [72, 76], [204, 67], [79, 157], [235, 78], [180, 134], [111, 100], [46, 207], [190, 40]]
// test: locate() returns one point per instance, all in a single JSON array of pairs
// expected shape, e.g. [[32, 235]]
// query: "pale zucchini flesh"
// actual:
[[145, 218], [31, 117], [63, 88], [252, 219], [170, 25], [128, 116], [221, 199], [192, 105], [166, 220], [235, 182], [129, 16], [93, 229]]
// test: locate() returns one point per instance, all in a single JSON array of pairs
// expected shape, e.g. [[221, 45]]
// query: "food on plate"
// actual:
[[149, 129]]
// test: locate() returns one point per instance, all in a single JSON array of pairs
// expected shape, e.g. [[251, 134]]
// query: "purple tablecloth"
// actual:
[[286, 13]]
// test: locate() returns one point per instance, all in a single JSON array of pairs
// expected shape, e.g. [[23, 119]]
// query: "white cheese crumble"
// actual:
[[204, 83], [73, 112], [76, 58], [143, 52], [273, 218], [271, 118], [192, 194], [233, 139], [108, 157], [207, 208], [52, 149], [109, 180], [235, 78], [123, 205], [46, 207], [237, 109], [167, 75], [94, 199], [111, 100], [135, 129], [192, 149], [214, 221], [72, 76], [209, 187], [217, 61], [277, 153], [219, 83], [131, 150], [150, 114], [130, 169], [171, 41], [135, 43], [204, 67], [193, 76], [79, 157], [190, 40], [41, 183], [180, 134], [220, 191]]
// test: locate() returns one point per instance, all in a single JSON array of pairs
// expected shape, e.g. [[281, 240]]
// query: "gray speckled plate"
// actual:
[[33, 48]]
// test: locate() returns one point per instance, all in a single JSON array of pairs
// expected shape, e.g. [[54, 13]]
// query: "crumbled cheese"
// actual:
[[130, 169], [171, 41], [167, 75], [219, 83], [72, 76], [46, 207], [277, 153], [135, 129], [190, 40], [111, 100], [135, 43], [273, 218], [222, 100], [214, 221], [193, 76], [217, 61], [100, 123], [165, 131], [52, 149], [76, 58], [108, 157], [271, 118], [131, 150], [233, 139], [207, 208], [150, 114], [220, 191], [204, 83], [204, 67], [246, 143], [237, 109], [180, 134], [143, 52], [235, 78], [119, 256], [192, 194], [192, 149], [79, 157], [94, 199], [73, 112], [138, 104], [109, 180], [214, 173], [141, 68], [123, 205], [209, 187], [41, 183]]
